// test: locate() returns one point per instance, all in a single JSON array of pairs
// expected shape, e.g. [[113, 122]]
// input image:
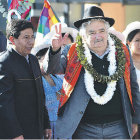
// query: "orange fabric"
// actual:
[[73, 70], [71, 75], [127, 73]]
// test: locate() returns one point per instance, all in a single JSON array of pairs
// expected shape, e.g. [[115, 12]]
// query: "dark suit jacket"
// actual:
[[22, 102]]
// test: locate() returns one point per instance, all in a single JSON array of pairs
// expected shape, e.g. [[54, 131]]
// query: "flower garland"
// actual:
[[120, 56], [111, 86], [89, 79]]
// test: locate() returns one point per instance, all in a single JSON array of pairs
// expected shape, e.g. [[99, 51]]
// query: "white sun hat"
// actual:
[[46, 42], [131, 27], [64, 29], [37, 48]]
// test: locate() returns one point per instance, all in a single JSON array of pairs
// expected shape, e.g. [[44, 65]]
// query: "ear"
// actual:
[[11, 38]]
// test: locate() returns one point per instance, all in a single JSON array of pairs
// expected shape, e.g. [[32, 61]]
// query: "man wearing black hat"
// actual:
[[100, 97]]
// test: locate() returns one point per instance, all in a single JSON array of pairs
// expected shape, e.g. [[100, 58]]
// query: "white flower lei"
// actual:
[[89, 80]]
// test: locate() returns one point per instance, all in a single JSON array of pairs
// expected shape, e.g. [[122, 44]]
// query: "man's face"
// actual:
[[25, 42], [96, 37]]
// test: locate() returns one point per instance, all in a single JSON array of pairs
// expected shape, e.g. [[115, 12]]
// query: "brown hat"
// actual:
[[93, 12]]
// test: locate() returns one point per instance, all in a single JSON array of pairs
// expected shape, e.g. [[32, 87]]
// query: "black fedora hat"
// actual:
[[93, 12]]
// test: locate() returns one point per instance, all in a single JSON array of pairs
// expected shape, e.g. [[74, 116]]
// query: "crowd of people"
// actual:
[[78, 83]]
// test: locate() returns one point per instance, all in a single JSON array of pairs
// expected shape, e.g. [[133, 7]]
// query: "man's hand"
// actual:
[[47, 133], [19, 138], [57, 39], [134, 129]]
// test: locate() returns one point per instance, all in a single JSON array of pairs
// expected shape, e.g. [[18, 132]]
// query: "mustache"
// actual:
[[98, 40]]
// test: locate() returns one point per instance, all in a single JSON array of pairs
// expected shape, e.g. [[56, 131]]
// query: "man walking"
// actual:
[[101, 96]]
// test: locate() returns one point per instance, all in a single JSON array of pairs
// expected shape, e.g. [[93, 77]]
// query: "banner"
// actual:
[[20, 9]]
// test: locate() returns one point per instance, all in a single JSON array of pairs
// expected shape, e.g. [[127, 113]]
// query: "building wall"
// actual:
[[75, 13], [132, 13], [123, 14], [116, 11]]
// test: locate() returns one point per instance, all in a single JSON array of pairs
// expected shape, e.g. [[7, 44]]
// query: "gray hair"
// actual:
[[82, 30]]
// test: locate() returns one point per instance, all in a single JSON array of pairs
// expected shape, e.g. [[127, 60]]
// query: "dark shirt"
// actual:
[[111, 111]]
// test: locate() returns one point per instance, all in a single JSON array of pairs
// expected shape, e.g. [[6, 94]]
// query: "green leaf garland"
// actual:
[[120, 56]]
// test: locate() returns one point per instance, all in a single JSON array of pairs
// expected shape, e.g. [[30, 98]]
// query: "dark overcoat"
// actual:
[[22, 102]]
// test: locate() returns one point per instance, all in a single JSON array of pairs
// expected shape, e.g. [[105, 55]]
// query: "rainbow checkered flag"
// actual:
[[46, 20]]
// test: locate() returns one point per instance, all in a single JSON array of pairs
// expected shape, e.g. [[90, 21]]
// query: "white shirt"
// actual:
[[101, 57]]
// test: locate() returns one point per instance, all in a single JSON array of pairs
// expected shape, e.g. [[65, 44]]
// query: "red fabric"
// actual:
[[127, 73], [14, 5], [71, 75]]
